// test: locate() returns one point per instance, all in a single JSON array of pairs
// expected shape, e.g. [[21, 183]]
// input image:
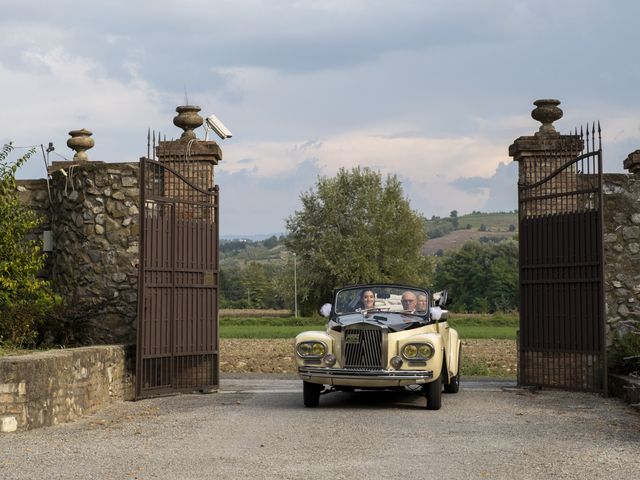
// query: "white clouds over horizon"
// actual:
[[433, 92]]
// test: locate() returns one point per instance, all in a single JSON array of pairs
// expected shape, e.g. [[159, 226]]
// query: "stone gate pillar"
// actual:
[[94, 259], [561, 342], [194, 158], [540, 154]]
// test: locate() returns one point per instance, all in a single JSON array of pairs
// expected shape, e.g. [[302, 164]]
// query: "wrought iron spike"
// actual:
[[599, 136], [587, 131]]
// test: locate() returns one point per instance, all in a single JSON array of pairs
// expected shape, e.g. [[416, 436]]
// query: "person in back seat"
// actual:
[[422, 303]]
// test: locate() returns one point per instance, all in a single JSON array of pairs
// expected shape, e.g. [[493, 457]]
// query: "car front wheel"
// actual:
[[433, 392], [311, 394]]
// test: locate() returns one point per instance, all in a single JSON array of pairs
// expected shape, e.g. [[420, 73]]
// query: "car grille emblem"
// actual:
[[352, 338]]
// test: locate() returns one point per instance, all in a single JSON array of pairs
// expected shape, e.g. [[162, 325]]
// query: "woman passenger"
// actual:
[[367, 299]]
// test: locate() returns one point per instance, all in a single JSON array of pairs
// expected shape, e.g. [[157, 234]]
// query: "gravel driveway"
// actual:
[[257, 428]]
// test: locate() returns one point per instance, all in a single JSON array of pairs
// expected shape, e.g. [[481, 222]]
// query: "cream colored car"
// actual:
[[381, 336]]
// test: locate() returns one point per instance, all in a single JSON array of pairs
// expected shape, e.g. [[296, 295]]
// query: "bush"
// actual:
[[625, 351], [72, 323], [25, 299]]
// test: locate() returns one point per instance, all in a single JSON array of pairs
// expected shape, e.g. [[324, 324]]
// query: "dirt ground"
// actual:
[[276, 356]]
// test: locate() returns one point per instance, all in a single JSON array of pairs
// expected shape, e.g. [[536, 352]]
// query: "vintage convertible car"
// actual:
[[381, 336]]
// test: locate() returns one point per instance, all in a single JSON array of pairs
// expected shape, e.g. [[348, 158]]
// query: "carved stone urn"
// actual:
[[632, 162], [188, 119], [547, 112], [80, 141]]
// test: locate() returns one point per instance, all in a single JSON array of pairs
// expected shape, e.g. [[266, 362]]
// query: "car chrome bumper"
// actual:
[[355, 377]]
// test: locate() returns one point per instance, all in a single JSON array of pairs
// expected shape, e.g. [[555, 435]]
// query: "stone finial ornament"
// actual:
[[632, 162], [188, 119], [547, 112], [80, 141]]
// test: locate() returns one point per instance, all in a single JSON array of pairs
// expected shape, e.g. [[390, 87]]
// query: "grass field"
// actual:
[[499, 326], [493, 221]]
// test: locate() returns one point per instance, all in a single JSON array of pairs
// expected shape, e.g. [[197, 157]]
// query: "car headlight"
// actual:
[[311, 349], [418, 351]]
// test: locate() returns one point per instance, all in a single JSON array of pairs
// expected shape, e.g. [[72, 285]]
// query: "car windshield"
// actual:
[[373, 298]]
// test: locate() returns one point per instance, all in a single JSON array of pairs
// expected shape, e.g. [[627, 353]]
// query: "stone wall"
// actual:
[[93, 216], [621, 214], [48, 388]]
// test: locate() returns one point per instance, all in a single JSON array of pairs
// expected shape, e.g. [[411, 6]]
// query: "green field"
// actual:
[[268, 327], [497, 222], [499, 326]]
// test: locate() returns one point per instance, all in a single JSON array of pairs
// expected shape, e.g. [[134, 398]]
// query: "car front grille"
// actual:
[[362, 348]]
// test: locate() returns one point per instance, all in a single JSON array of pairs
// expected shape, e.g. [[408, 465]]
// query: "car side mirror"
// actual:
[[325, 310], [441, 298]]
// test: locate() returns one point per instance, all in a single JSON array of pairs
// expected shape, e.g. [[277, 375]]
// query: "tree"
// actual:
[[355, 228], [25, 299], [483, 277], [453, 216]]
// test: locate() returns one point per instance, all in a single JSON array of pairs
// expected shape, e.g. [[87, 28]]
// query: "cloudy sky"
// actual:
[[431, 91]]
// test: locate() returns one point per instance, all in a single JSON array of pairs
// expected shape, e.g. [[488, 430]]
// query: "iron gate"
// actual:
[[177, 348], [562, 316]]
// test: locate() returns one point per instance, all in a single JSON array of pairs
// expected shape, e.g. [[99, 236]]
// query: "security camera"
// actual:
[[213, 123]]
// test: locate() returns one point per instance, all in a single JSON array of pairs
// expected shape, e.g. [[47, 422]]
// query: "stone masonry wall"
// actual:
[[93, 217], [621, 250], [96, 238], [48, 388]]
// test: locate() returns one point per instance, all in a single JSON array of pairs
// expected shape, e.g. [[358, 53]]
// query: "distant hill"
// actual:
[[495, 222], [254, 238], [443, 234], [238, 253], [456, 238], [451, 232]]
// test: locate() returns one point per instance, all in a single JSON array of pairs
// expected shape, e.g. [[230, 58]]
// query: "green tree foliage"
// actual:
[[439, 227], [24, 298], [355, 228], [453, 216], [256, 285], [481, 277]]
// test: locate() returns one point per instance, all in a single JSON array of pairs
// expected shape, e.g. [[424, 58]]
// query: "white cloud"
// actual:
[[426, 166], [410, 156], [61, 92]]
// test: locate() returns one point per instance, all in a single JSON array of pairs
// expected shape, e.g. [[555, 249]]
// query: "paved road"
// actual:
[[258, 428]]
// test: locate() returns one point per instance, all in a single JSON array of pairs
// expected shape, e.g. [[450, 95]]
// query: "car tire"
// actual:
[[311, 394], [454, 384], [433, 392]]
